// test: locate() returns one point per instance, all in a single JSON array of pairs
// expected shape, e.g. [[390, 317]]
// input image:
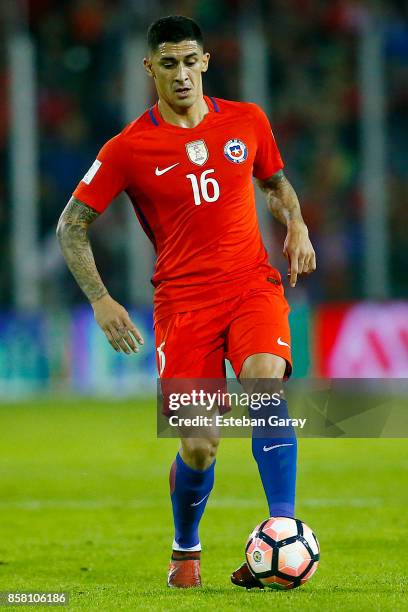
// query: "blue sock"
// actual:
[[276, 459], [189, 491]]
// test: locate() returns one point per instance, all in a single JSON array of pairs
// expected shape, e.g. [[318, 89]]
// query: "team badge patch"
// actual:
[[197, 152], [236, 151]]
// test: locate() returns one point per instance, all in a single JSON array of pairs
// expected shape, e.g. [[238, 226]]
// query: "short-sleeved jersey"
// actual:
[[192, 191]]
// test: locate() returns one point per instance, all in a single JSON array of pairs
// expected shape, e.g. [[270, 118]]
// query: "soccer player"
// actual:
[[186, 165]]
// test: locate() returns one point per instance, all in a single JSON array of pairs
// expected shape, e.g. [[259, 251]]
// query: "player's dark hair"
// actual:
[[173, 28]]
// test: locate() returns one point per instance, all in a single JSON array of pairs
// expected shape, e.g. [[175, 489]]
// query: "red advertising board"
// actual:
[[363, 340]]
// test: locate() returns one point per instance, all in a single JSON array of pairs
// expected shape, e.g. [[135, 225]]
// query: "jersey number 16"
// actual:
[[201, 189]]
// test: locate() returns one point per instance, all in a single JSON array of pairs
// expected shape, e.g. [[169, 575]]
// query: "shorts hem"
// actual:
[[288, 369]]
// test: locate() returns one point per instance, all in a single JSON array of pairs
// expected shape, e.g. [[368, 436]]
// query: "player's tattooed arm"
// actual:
[[283, 203], [281, 198], [72, 233], [113, 319]]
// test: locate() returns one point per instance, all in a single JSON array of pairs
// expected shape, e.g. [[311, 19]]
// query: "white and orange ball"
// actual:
[[282, 553]]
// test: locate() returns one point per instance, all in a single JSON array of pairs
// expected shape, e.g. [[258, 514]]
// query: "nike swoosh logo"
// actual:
[[159, 172], [268, 448], [199, 502], [282, 343]]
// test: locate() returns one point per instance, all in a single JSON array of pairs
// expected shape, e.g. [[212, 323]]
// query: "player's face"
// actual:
[[177, 69]]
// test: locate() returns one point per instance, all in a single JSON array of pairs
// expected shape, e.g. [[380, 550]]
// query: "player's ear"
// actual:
[[206, 59], [147, 63]]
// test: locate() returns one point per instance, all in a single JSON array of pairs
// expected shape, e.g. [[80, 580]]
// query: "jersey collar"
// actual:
[[157, 119]]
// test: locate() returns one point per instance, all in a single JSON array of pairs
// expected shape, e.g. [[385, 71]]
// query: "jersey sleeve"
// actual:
[[268, 159], [106, 178]]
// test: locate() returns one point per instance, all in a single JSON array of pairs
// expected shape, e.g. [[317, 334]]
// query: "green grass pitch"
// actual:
[[84, 507]]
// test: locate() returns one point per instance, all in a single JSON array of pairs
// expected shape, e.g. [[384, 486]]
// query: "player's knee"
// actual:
[[199, 453]]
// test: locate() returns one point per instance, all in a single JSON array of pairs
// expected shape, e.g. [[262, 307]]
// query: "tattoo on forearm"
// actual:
[[72, 232], [281, 198]]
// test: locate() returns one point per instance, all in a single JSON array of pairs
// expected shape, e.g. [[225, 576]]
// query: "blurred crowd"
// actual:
[[314, 108]]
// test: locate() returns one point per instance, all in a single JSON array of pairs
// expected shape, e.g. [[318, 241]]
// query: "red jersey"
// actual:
[[192, 191]]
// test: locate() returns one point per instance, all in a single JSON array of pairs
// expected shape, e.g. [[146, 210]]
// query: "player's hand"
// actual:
[[298, 251], [116, 324]]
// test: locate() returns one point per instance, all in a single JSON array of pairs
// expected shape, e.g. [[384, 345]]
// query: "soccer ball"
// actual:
[[282, 553]]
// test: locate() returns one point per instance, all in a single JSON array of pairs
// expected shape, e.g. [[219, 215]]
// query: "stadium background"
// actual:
[[83, 479], [310, 64]]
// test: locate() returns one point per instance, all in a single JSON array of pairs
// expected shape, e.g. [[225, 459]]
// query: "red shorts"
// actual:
[[194, 344]]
